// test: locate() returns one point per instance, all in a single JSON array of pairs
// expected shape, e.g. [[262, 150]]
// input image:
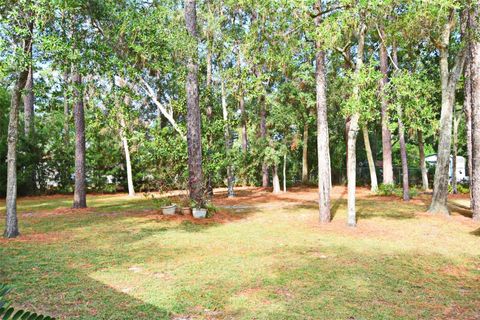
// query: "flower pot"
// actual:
[[187, 211], [169, 210], [199, 213]]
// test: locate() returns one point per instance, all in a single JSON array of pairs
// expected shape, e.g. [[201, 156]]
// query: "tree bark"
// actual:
[[449, 79], [128, 163], [456, 123], [209, 111], [263, 136], [475, 96], [28, 103], [323, 149], [243, 115], [66, 111], [386, 134], [305, 153], [80, 192], [276, 180], [11, 221], [285, 173], [353, 133], [403, 155], [371, 163], [228, 143], [194, 139], [423, 165], [467, 106]]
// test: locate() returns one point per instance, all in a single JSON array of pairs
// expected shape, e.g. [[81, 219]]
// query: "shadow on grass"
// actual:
[[476, 232], [462, 210]]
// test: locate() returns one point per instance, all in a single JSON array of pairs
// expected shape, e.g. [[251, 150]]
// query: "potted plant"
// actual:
[[166, 205], [198, 210], [186, 206]]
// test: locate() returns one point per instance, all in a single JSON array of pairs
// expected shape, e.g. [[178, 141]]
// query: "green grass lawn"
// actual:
[[266, 258]]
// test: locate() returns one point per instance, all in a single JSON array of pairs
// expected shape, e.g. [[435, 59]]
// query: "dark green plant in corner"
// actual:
[[9, 313]]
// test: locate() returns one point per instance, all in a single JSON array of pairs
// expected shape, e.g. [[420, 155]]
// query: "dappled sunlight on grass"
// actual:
[[266, 259]]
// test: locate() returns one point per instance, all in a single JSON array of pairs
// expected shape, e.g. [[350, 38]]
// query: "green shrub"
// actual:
[[386, 189]]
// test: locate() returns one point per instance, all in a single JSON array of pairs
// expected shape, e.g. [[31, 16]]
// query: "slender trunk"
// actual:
[[456, 123], [209, 113], [28, 103], [468, 120], [285, 173], [263, 136], [386, 134], [276, 180], [11, 222], [243, 116], [353, 133], [371, 163], [323, 149], [403, 155], [228, 143], [66, 111], [194, 138], [475, 95], [423, 165], [80, 192], [449, 79], [128, 163], [305, 154]]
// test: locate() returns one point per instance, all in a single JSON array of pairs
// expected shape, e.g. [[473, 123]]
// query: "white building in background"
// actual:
[[431, 160]]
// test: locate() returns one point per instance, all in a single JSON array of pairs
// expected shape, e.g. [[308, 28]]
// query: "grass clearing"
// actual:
[[262, 257]]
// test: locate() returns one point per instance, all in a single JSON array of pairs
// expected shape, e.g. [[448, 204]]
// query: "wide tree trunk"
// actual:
[[11, 222], [323, 149], [194, 138], [305, 154], [449, 79], [276, 180], [475, 96], [228, 144], [423, 165], [80, 191], [371, 162], [386, 134]]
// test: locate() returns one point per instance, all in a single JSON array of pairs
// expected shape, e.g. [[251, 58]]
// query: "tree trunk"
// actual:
[[66, 111], [468, 120], [456, 123], [403, 155], [80, 192], [228, 144], [386, 134], [128, 163], [243, 116], [353, 129], [449, 79], [28, 103], [305, 153], [352, 169], [475, 96], [276, 180], [263, 136], [11, 222], [194, 139], [323, 149], [423, 165], [371, 163], [285, 173]]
